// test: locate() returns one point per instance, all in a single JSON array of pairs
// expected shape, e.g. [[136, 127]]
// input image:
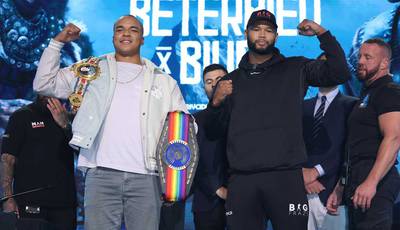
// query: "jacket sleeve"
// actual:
[[177, 101], [333, 71], [332, 162], [217, 118], [50, 79], [207, 175]]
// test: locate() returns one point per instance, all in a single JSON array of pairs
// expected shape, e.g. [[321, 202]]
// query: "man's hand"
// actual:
[[224, 88], [69, 33], [11, 206], [58, 112], [310, 175], [314, 187], [334, 200], [310, 28], [222, 192], [363, 195]]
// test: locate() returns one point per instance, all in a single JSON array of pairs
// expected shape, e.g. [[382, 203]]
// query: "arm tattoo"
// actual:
[[8, 173]]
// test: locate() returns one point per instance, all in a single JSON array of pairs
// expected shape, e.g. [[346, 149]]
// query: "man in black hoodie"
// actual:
[[258, 107]]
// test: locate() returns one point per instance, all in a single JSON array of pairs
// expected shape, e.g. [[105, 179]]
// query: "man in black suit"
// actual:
[[210, 181], [324, 121]]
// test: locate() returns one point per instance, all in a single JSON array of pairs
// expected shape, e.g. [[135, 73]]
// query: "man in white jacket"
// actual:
[[118, 122]]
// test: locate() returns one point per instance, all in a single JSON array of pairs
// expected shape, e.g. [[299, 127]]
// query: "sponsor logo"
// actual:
[[229, 213], [255, 73], [37, 124], [298, 209], [156, 92], [196, 106]]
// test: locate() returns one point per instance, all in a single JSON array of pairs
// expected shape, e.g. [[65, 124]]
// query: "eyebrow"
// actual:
[[135, 27]]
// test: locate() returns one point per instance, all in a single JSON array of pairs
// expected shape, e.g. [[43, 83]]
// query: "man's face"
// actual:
[[128, 36], [261, 38], [370, 60], [210, 80]]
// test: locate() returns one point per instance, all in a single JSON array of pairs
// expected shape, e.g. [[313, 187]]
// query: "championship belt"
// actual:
[[86, 71], [177, 156]]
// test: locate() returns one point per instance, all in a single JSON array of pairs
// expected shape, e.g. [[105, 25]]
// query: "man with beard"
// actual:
[[117, 126], [259, 108], [36, 155], [373, 142]]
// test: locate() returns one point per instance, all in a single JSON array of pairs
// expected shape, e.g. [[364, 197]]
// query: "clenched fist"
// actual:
[[69, 33], [224, 88], [310, 28]]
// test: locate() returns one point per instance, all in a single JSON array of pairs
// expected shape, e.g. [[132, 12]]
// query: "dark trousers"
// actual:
[[278, 196], [213, 219], [380, 215], [172, 216], [58, 218]]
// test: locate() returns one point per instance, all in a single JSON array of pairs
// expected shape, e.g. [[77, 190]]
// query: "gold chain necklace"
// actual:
[[130, 80]]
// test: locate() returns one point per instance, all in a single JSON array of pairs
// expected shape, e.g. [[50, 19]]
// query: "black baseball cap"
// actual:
[[262, 15]]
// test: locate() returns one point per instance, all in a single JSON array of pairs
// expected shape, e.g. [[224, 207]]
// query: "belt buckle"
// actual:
[[32, 209]]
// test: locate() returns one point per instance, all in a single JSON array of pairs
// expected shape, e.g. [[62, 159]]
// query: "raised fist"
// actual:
[[310, 28], [69, 33]]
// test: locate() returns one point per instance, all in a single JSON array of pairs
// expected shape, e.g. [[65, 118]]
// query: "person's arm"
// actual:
[[13, 139], [334, 70], [8, 161], [335, 199], [50, 79], [218, 110], [389, 124], [177, 100], [60, 116], [207, 174]]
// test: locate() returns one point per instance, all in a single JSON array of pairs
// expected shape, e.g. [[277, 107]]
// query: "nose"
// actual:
[[213, 84], [126, 33], [361, 60]]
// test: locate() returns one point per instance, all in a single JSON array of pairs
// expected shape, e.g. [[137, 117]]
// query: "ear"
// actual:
[[276, 38], [142, 41], [245, 34], [385, 63]]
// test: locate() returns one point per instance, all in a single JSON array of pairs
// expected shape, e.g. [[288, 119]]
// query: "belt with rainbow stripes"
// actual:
[[177, 156]]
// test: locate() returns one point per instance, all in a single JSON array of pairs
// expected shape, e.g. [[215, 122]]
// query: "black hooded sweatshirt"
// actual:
[[262, 118]]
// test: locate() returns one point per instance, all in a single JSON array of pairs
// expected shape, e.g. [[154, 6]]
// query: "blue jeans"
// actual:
[[112, 196]]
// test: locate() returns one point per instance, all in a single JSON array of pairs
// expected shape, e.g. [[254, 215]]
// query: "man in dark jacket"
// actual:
[[259, 108], [324, 131], [210, 191]]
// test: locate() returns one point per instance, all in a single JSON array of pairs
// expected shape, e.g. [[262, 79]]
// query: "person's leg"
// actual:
[[380, 214], [172, 216], [317, 212], [244, 206], [62, 218], [103, 199], [338, 222], [378, 217], [210, 220], [286, 200], [142, 201]]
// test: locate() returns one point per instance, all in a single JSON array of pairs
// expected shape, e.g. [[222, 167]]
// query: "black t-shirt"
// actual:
[[365, 137], [43, 158]]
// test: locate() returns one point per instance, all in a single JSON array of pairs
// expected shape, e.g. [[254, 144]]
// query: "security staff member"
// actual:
[[36, 154], [373, 143]]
